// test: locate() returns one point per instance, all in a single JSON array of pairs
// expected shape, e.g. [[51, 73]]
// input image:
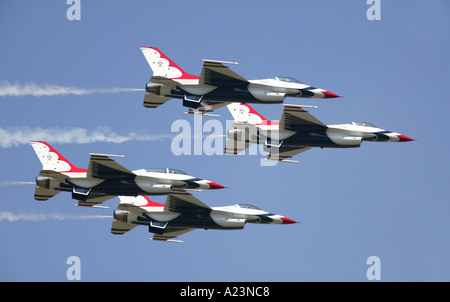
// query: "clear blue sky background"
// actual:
[[383, 199]]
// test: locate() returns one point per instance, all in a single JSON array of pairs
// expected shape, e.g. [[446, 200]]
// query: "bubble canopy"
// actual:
[[247, 206], [287, 79], [166, 170], [364, 124]]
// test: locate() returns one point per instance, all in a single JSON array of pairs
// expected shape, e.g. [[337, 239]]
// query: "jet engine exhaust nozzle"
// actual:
[[120, 215], [153, 88]]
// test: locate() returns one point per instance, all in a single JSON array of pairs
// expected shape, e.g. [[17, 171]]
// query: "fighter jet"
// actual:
[[297, 132], [105, 178], [183, 213], [216, 86]]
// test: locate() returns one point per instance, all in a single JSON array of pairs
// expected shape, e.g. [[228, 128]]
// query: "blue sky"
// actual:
[[383, 199]]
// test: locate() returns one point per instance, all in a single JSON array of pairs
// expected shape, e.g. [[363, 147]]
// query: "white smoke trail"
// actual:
[[11, 217], [8, 89], [16, 136], [15, 183]]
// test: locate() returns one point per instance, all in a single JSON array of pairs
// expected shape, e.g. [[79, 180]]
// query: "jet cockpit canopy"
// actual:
[[364, 124], [247, 206], [287, 79], [166, 170]]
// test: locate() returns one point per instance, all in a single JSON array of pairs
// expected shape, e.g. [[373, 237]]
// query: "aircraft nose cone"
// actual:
[[403, 138], [213, 185], [330, 95], [287, 220]]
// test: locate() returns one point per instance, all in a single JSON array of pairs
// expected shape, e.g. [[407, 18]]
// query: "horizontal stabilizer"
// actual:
[[43, 194], [120, 228], [153, 101]]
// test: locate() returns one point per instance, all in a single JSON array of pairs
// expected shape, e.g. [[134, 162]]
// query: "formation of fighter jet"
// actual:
[[297, 132], [183, 213], [217, 85], [105, 178]]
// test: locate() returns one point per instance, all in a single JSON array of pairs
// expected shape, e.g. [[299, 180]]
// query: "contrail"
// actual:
[[15, 183], [16, 136], [11, 217], [8, 89]]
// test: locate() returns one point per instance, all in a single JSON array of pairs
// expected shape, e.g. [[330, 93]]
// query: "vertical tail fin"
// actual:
[[162, 66], [52, 160], [243, 113]]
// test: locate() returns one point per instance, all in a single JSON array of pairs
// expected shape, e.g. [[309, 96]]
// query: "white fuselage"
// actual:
[[234, 216], [341, 135], [264, 90], [145, 181]]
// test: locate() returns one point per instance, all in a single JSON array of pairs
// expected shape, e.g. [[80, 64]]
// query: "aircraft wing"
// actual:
[[206, 106], [285, 152], [170, 233], [215, 73], [295, 118], [184, 203], [101, 166], [93, 200]]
